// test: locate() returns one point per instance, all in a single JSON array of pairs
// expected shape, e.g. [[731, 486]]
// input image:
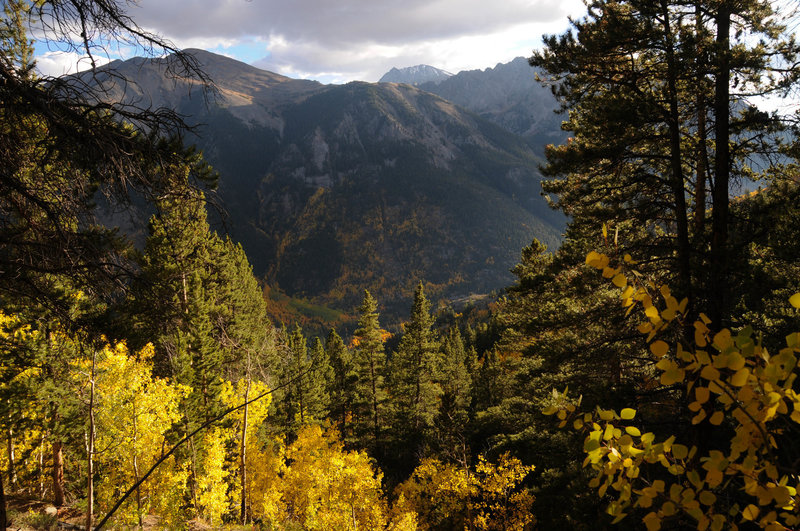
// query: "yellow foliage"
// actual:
[[212, 489], [326, 487], [133, 413], [740, 384], [446, 496]]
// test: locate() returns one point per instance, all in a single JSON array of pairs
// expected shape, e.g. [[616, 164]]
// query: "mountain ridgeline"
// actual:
[[332, 189], [415, 75]]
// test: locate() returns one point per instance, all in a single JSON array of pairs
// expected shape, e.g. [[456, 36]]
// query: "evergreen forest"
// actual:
[[641, 375]]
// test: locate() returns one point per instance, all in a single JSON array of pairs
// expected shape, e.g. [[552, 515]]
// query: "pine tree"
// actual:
[[414, 382], [342, 389], [635, 76], [369, 362], [452, 423], [321, 381]]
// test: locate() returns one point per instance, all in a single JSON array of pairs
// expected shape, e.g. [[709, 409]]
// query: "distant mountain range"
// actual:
[[332, 189], [415, 75]]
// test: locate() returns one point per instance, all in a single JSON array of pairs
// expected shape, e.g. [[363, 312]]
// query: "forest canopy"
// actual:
[[670, 310]]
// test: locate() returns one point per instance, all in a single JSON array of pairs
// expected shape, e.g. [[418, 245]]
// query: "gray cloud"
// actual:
[[346, 37], [337, 22]]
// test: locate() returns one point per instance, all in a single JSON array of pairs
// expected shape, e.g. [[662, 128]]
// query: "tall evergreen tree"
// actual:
[[307, 378], [342, 389], [634, 75], [453, 418], [414, 379], [369, 362], [321, 381]]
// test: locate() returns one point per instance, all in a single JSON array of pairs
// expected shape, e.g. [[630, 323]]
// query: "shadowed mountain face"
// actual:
[[332, 189], [508, 95]]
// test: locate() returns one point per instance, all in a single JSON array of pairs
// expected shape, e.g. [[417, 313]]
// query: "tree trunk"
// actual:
[[719, 235], [12, 468], [3, 518], [58, 474], [136, 464], [676, 161], [702, 151], [375, 420], [41, 467], [243, 452], [90, 450]]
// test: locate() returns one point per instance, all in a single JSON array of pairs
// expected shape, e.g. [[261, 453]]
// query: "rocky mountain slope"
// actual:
[[415, 75], [335, 188], [508, 95]]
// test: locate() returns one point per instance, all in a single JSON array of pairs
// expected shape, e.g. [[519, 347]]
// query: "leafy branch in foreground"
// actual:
[[732, 385]]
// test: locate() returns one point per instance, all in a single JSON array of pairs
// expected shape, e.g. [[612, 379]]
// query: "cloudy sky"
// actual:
[[343, 40]]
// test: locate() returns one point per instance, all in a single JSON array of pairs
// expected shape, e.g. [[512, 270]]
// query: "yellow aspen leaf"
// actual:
[[715, 388], [717, 522], [619, 280], [793, 340], [605, 414], [627, 413], [672, 373], [794, 300], [605, 231], [659, 348], [652, 313], [592, 258], [716, 418], [700, 338], [780, 494], [736, 361], [645, 328], [740, 378], [652, 521], [705, 319], [609, 272], [627, 293], [664, 289], [669, 508], [679, 451], [577, 424], [722, 339], [697, 419], [709, 373], [694, 478], [750, 512], [702, 394], [633, 430], [707, 497]]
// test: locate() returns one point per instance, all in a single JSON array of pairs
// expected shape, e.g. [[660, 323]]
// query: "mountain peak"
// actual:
[[415, 75]]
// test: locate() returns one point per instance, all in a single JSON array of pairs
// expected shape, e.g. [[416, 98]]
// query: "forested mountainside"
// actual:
[[333, 189], [642, 374]]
